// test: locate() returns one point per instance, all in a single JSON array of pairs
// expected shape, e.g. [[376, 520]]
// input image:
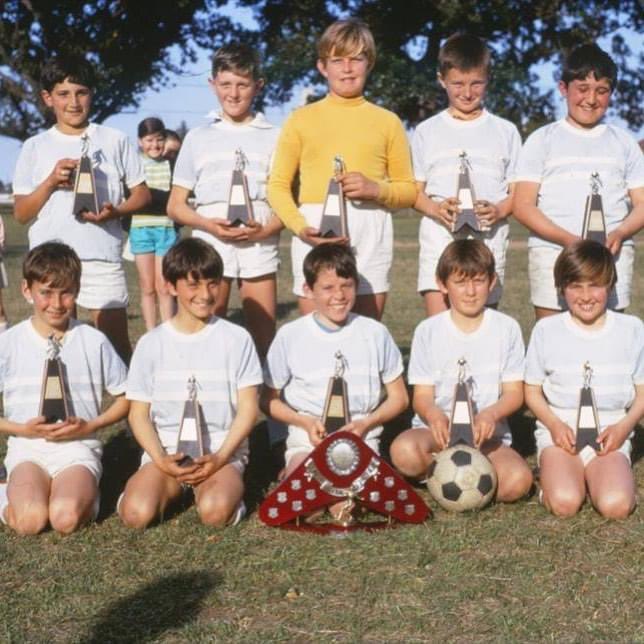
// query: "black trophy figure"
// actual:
[[85, 185], [53, 399], [462, 418], [240, 207], [587, 418], [336, 406], [190, 442], [594, 221], [334, 212], [465, 194]]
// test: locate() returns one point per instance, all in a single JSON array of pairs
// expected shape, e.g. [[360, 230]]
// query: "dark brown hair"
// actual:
[[237, 58], [52, 263], [469, 257], [463, 52], [192, 258], [585, 260], [335, 257]]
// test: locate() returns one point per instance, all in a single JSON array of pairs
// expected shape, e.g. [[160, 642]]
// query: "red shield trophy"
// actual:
[[587, 417], [334, 211], [341, 469], [594, 221]]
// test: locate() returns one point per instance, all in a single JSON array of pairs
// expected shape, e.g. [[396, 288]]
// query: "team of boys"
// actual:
[[54, 468]]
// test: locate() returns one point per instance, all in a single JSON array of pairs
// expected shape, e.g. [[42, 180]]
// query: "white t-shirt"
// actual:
[[561, 158], [91, 364], [221, 357], [116, 164], [207, 158], [301, 360], [494, 354], [558, 350], [492, 145]]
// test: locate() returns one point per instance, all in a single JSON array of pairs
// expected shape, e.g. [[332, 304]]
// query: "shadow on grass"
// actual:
[[167, 603], [264, 464]]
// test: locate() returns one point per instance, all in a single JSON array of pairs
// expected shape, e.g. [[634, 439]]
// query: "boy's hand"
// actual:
[[356, 186], [484, 426], [447, 211], [312, 236], [207, 465], [222, 229], [60, 176], [108, 211], [313, 427], [169, 464], [614, 242], [563, 436], [38, 427], [72, 429], [487, 213], [438, 425], [613, 437], [255, 231], [357, 427]]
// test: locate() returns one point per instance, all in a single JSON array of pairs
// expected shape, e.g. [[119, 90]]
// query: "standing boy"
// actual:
[[54, 468], [492, 346], [221, 358], [554, 179], [491, 145], [374, 148], [43, 190], [205, 165]]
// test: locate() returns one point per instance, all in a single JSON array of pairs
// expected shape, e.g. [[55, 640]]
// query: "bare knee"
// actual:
[[564, 503], [515, 484], [66, 515], [617, 504], [136, 514], [408, 458], [29, 521], [214, 512]]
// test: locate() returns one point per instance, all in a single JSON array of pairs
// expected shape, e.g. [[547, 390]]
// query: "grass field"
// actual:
[[509, 573]]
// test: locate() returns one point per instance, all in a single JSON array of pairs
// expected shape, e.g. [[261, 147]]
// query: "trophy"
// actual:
[[465, 194], [240, 208], [594, 222], [462, 418], [84, 183], [336, 406], [54, 405], [587, 418], [190, 442], [334, 212]]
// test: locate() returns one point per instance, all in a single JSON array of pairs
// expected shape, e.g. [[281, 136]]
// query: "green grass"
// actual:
[[509, 573]]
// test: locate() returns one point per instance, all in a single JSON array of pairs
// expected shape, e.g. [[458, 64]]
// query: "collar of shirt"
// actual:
[[259, 121]]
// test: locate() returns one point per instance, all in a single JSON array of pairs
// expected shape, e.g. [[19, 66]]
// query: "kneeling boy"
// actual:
[[492, 346], [222, 359], [54, 468]]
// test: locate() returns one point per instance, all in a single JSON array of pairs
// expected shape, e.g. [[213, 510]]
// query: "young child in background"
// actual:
[[378, 178], [492, 346], [54, 468], [152, 232], [554, 179], [613, 346], [205, 165], [492, 147], [171, 147], [222, 359]]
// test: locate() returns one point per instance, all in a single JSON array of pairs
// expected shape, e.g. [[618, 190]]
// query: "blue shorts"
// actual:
[[152, 239]]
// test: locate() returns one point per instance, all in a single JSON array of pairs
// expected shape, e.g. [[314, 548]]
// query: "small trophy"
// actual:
[[240, 208], [465, 194], [84, 184], [334, 213], [190, 442], [462, 418], [53, 398], [594, 221], [587, 418], [336, 407]]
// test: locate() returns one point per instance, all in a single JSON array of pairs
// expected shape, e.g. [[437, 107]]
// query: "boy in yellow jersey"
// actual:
[[374, 148]]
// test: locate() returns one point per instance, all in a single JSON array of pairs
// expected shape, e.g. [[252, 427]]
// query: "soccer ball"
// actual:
[[460, 478]]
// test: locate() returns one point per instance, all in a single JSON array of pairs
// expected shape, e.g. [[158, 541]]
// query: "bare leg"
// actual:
[[412, 452], [372, 305], [166, 301], [513, 474], [562, 481], [72, 500], [259, 297], [28, 495], [113, 323], [145, 269], [221, 305], [219, 495], [540, 312], [611, 485], [147, 496], [435, 302]]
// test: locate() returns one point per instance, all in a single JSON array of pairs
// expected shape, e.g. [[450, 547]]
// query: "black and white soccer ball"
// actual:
[[460, 478]]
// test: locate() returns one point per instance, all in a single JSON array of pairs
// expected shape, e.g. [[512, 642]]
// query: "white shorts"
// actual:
[[242, 259], [543, 439], [298, 442], [541, 263], [434, 238], [169, 441], [102, 285], [372, 241], [53, 458]]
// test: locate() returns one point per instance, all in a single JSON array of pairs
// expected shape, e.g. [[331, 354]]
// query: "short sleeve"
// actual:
[[133, 173], [392, 365], [420, 368], [515, 152], [114, 370], [140, 376], [638, 350], [530, 164], [535, 372], [418, 155], [185, 172], [514, 363], [634, 165], [277, 372], [23, 181], [249, 372]]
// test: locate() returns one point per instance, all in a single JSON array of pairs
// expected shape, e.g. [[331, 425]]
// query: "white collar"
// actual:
[[259, 121]]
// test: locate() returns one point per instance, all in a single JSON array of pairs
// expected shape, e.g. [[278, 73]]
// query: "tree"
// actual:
[[522, 34], [134, 45]]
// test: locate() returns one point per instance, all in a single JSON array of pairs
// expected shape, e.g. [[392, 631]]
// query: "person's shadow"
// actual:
[[166, 603]]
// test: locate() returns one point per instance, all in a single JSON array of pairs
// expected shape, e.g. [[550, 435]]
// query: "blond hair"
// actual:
[[347, 38]]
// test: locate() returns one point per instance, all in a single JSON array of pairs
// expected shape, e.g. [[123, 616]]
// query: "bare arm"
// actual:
[[632, 224], [509, 401], [431, 414], [614, 435], [562, 435]]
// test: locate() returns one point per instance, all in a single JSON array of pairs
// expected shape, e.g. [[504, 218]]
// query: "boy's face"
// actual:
[[152, 145], [71, 104], [346, 75], [171, 149], [196, 297], [235, 93], [467, 295], [587, 100], [53, 305], [333, 296], [465, 89], [586, 301]]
